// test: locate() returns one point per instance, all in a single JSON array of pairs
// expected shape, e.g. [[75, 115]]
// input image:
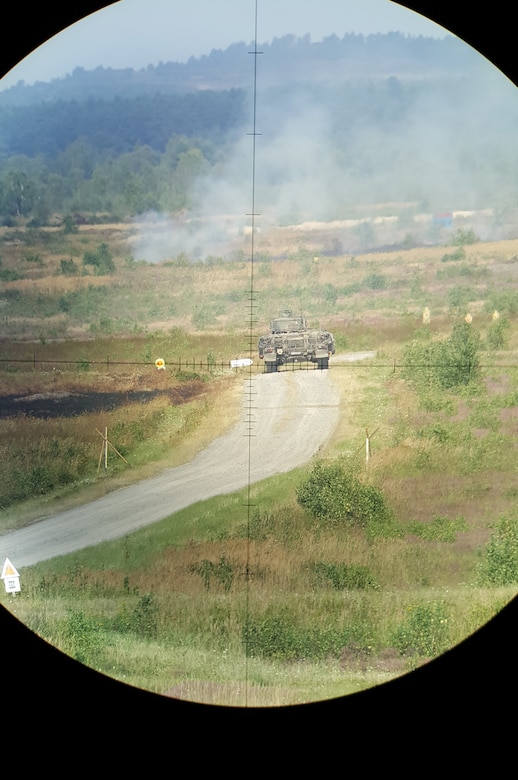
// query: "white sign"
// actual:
[[241, 362], [10, 577]]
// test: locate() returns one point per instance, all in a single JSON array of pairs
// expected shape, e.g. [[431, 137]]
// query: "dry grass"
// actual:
[[421, 477]]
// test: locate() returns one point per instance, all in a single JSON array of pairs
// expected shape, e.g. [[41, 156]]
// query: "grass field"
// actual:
[[271, 606]]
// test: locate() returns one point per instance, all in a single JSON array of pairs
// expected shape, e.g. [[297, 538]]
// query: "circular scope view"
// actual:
[[259, 321]]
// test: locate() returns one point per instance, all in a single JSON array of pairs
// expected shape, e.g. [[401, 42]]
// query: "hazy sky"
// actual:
[[137, 33]]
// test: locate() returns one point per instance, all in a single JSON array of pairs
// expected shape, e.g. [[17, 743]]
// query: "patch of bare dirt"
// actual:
[[360, 659], [498, 386], [510, 419], [462, 413]]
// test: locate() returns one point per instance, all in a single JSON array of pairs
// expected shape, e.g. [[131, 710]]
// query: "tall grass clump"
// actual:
[[424, 631], [35, 468], [280, 634], [499, 564], [497, 334]]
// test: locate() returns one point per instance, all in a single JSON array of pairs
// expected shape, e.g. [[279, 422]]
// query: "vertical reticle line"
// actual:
[[251, 347]]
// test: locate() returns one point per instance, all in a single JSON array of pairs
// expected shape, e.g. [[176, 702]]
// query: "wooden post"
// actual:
[[104, 451], [367, 446]]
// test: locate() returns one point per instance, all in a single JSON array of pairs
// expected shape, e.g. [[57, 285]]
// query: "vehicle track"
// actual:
[[286, 419]]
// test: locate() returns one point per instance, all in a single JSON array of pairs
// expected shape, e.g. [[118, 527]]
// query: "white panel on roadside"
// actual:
[[241, 363], [10, 577]]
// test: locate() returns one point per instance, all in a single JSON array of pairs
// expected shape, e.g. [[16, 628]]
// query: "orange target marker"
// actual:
[[160, 363]]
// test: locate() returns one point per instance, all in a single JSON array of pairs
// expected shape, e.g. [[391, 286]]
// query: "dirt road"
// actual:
[[286, 418]]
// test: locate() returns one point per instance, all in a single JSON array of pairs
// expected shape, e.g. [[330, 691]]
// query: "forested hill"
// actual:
[[115, 111], [381, 118], [284, 59], [119, 125]]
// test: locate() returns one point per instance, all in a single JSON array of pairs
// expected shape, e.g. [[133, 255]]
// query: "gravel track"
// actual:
[[286, 418]]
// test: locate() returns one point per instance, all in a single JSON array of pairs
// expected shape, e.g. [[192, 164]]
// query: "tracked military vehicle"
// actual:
[[291, 341]]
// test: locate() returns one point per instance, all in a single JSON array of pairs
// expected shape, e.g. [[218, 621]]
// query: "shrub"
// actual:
[[424, 631], [35, 258], [464, 237], [448, 363], [82, 637], [203, 316], [145, 616], [279, 635], [69, 225], [499, 565], [497, 334], [7, 275], [141, 620], [332, 493], [502, 301], [330, 293], [461, 355], [441, 529], [458, 254], [101, 260], [68, 267], [222, 572], [376, 282]]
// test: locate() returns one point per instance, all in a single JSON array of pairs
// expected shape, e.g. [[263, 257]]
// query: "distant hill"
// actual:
[[285, 60], [371, 119]]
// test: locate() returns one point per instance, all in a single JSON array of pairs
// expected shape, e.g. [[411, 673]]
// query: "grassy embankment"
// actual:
[[326, 611]]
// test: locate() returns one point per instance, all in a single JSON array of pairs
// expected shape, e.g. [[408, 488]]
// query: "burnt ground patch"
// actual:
[[68, 404]]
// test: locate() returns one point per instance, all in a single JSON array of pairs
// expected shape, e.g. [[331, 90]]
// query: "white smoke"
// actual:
[[308, 166]]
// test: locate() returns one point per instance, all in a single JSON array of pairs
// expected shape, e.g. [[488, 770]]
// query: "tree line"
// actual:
[[79, 180], [124, 157]]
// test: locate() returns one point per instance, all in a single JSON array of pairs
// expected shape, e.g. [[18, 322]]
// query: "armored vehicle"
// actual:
[[291, 341]]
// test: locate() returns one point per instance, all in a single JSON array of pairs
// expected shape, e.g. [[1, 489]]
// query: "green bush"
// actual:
[[69, 225], [48, 464], [68, 267], [279, 635], [464, 237], [376, 281], [204, 316], [35, 258], [501, 301], [142, 620], [222, 572], [81, 637], [424, 631], [499, 565], [458, 254], [497, 334], [441, 529], [7, 275], [446, 364], [101, 260], [333, 493]]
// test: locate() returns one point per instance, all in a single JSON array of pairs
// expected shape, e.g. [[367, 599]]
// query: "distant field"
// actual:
[[60, 286]]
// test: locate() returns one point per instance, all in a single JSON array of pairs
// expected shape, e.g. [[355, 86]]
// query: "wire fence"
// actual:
[[239, 365]]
